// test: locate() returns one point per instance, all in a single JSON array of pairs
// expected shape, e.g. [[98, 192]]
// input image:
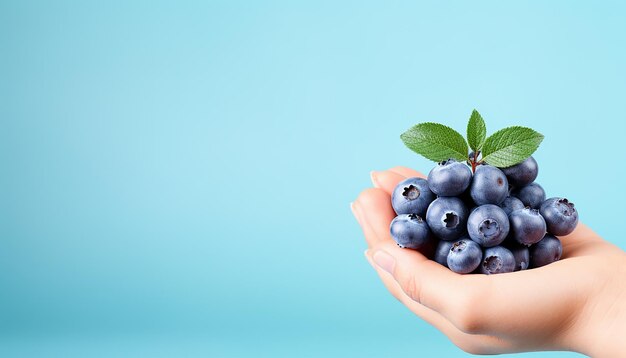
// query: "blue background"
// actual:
[[175, 177]]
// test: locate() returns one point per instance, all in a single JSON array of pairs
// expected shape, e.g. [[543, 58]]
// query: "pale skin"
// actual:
[[576, 304]]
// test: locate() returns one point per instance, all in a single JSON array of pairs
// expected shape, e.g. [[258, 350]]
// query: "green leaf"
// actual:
[[435, 142], [510, 146], [476, 131]]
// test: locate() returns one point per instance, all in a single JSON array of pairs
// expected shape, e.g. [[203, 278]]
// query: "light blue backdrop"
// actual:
[[175, 177]]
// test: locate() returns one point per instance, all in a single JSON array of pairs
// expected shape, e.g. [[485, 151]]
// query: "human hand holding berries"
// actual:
[[577, 303], [492, 219]]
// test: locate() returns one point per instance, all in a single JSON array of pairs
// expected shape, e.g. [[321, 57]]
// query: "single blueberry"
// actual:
[[410, 231], [442, 250], [546, 251], [560, 214], [520, 253], [488, 225], [527, 226], [412, 196], [447, 218], [497, 259], [531, 195], [510, 204], [523, 173], [464, 256], [449, 178], [489, 185]]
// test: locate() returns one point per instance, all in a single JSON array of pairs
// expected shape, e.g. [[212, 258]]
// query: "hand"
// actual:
[[577, 303]]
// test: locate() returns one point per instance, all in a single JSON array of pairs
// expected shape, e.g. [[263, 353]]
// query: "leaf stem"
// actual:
[[474, 161]]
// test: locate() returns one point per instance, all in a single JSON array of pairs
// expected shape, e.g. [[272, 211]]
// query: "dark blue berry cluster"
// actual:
[[492, 220]]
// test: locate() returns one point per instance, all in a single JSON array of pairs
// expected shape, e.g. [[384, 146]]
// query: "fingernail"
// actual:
[[355, 213], [374, 179], [384, 261]]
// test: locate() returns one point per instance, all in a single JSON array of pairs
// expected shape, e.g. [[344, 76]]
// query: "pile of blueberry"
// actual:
[[493, 220]]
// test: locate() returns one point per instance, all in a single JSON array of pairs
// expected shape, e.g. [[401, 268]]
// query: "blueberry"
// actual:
[[488, 225], [523, 173], [410, 231], [489, 185], [546, 251], [447, 217], [442, 250], [560, 214], [449, 178], [531, 195], [510, 204], [412, 196], [527, 226], [497, 259], [520, 253], [464, 256]]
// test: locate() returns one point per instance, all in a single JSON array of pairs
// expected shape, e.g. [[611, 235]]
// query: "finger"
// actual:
[[386, 180], [374, 206], [452, 295], [476, 344], [371, 237], [389, 179], [407, 172]]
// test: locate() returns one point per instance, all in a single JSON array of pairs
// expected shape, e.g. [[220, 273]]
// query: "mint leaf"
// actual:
[[476, 131], [510, 146], [435, 142]]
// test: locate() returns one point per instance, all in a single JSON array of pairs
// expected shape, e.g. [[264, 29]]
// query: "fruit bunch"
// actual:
[[483, 212]]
